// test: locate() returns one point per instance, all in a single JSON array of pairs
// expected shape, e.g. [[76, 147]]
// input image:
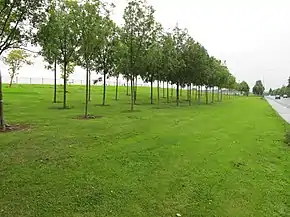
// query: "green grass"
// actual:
[[225, 160]]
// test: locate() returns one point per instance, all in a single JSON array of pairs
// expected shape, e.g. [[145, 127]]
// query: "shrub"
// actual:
[[287, 138]]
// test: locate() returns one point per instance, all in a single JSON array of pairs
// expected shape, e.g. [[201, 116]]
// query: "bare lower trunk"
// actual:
[[54, 91], [132, 93], [177, 94], [11, 80], [64, 84], [87, 93], [221, 94], [2, 124], [189, 96], [206, 94], [167, 92], [117, 87], [90, 85], [172, 89], [127, 87], [151, 91], [104, 89], [163, 90], [199, 95], [158, 93], [212, 95], [135, 90], [196, 92]]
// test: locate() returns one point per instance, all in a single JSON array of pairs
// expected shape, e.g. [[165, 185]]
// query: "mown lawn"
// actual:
[[224, 160]]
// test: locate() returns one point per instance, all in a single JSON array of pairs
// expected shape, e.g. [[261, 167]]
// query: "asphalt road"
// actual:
[[282, 106]]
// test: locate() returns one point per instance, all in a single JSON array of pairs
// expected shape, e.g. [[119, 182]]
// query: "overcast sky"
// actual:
[[253, 36]]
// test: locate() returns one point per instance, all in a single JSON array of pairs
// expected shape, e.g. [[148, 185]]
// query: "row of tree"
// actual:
[[284, 90], [82, 33]]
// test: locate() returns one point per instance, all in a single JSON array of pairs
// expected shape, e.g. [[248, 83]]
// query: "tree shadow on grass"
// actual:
[[89, 117], [15, 127], [129, 111], [61, 108], [101, 105]]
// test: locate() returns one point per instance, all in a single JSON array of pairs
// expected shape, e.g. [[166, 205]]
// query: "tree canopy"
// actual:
[[258, 89]]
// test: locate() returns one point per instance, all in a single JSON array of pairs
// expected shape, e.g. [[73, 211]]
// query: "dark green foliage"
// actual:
[[258, 89]]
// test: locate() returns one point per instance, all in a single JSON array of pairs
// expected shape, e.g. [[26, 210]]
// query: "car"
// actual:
[[285, 96], [277, 97]]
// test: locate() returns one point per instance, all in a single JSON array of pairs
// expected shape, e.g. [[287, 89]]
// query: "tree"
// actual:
[[270, 91], [288, 82], [69, 70], [258, 89], [17, 19], [122, 64], [244, 88], [105, 57], [139, 19], [45, 38], [65, 22], [168, 59], [15, 60], [153, 59], [90, 33], [179, 37]]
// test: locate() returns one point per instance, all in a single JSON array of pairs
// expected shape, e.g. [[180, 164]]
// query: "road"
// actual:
[[282, 106]]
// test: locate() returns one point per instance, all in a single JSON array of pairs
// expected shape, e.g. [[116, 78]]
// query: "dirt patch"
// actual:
[[129, 111], [60, 108], [89, 117], [15, 127], [101, 105]]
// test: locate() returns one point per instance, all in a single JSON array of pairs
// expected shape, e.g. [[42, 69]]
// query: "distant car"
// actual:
[[285, 96], [277, 97]]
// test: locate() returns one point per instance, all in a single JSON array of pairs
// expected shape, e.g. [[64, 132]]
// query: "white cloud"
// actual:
[[252, 35]]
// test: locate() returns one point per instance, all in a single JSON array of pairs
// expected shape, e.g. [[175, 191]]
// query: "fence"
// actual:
[[109, 82], [31, 80]]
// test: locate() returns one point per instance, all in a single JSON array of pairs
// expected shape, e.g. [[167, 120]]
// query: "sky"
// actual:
[[253, 36]]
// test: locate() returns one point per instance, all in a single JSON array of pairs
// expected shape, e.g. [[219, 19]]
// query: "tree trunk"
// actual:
[[167, 92], [206, 94], [90, 85], [196, 92], [135, 90], [212, 95], [11, 79], [218, 94], [117, 86], [221, 94], [172, 89], [180, 92], [127, 87], [158, 93], [104, 89], [2, 124], [151, 90], [64, 84], [177, 94], [201, 91], [87, 92], [54, 91], [132, 93], [199, 96], [189, 96], [163, 90]]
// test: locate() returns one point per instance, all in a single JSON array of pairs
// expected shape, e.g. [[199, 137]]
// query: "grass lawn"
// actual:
[[224, 160]]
